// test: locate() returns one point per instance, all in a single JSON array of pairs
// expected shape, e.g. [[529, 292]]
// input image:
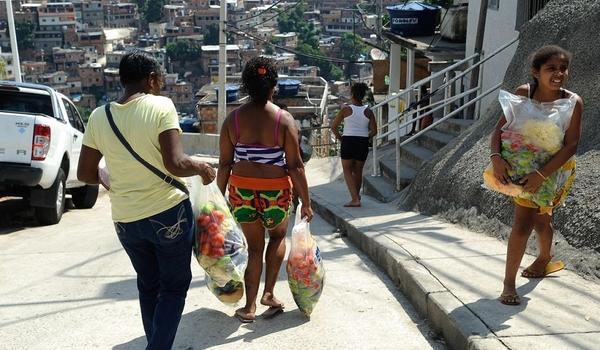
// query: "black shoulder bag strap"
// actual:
[[166, 178]]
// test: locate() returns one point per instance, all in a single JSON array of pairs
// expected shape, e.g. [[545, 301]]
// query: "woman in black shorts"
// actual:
[[359, 127]]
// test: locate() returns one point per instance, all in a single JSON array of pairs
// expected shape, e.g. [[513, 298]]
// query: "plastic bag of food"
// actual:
[[219, 245], [306, 273], [533, 133]]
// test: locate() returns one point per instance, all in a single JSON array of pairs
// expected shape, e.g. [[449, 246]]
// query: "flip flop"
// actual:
[[510, 299], [243, 317], [272, 312], [551, 267], [348, 205], [554, 266]]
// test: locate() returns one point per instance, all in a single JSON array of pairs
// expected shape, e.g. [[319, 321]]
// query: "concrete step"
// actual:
[[454, 126], [434, 140], [388, 170], [380, 188], [415, 155]]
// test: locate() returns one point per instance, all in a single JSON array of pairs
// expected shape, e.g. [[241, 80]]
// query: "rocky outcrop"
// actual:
[[450, 184]]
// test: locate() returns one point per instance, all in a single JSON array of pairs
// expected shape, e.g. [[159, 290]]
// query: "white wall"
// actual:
[[207, 144], [499, 29]]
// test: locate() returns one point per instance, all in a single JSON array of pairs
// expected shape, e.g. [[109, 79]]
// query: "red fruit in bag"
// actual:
[[203, 220], [218, 240], [213, 228], [219, 216]]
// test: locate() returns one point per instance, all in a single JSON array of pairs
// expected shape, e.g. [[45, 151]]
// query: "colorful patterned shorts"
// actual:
[[255, 199]]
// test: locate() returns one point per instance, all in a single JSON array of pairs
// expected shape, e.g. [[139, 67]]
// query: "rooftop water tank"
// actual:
[[414, 18], [231, 92], [288, 87]]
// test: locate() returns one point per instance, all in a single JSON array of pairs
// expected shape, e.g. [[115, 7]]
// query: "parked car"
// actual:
[[41, 135]]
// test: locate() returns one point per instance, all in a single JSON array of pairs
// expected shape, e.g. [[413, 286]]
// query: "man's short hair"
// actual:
[[136, 66]]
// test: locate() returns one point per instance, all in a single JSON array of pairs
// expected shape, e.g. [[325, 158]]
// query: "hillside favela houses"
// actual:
[[320, 47]]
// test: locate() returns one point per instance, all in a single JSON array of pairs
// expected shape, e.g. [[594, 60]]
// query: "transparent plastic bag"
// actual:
[[219, 245], [305, 269], [533, 133]]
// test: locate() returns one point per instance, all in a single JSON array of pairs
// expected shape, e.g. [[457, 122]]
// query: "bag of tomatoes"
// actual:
[[219, 245], [306, 273]]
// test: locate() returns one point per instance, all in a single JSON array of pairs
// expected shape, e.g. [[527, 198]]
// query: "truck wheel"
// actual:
[[52, 215], [85, 197]]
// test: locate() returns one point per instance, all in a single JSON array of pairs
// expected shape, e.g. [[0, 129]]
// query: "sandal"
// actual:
[[510, 299], [244, 317], [551, 267], [272, 312]]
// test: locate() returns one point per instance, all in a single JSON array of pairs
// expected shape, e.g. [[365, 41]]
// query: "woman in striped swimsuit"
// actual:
[[260, 161]]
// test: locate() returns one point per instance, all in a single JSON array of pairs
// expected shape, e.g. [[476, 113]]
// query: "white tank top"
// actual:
[[357, 124]]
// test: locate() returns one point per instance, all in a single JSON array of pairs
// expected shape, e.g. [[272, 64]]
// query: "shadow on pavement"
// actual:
[[494, 314], [15, 215], [206, 328]]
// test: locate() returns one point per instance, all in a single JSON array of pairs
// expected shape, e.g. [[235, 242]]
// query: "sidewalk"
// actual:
[[453, 276]]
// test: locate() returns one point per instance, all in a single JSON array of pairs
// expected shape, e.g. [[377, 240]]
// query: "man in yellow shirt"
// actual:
[[153, 217]]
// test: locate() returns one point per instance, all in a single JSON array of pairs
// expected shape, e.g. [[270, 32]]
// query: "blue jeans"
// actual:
[[160, 249]]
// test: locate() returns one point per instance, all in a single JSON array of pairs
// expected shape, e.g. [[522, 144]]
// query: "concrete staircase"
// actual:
[[412, 157]]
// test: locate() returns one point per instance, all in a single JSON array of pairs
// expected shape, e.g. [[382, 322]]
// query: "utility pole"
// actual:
[[478, 49], [222, 103], [14, 49]]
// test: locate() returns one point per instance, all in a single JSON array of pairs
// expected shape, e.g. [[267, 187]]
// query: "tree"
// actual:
[[326, 69], [153, 10], [212, 34], [293, 21], [24, 31], [183, 50], [352, 47]]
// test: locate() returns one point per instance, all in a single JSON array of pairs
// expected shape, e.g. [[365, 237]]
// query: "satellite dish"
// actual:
[[377, 54]]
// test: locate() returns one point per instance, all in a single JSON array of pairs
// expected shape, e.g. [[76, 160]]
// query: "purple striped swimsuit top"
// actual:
[[259, 153]]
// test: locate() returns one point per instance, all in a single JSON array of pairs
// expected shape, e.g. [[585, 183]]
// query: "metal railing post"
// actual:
[[447, 93], [477, 108], [378, 118]]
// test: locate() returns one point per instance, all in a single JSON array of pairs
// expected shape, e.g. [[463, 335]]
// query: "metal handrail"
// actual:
[[489, 91], [424, 80], [411, 110], [450, 100], [421, 132], [447, 83]]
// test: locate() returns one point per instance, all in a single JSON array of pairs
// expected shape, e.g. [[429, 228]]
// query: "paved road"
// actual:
[[70, 286]]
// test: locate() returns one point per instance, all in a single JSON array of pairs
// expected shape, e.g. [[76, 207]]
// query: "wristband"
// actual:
[[495, 154], [540, 174]]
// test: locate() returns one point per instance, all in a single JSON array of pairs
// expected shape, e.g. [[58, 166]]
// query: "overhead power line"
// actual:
[[263, 11], [296, 52], [277, 15]]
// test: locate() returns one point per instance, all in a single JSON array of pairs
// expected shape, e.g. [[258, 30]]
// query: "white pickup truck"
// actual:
[[40, 141]]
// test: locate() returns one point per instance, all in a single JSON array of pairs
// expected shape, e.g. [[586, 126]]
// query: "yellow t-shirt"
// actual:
[[135, 192]]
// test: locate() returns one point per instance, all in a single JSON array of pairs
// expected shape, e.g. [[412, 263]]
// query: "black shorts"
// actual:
[[354, 147]]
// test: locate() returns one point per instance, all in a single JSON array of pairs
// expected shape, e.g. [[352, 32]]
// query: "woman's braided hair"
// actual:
[[259, 78]]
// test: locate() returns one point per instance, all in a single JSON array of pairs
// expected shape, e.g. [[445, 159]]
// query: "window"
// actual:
[[73, 115], [12, 101], [494, 4]]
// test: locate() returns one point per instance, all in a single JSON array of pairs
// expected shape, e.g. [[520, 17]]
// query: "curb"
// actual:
[[445, 314]]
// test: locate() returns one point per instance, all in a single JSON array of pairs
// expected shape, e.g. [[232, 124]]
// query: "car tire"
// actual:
[[85, 197], [52, 215]]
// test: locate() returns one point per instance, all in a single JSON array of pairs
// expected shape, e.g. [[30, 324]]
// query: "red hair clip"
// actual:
[[261, 71]]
